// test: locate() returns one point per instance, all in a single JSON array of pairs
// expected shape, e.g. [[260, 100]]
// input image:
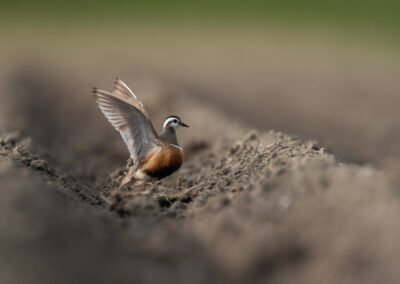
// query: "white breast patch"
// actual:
[[176, 146]]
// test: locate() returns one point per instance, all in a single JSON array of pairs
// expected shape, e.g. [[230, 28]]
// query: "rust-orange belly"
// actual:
[[163, 162]]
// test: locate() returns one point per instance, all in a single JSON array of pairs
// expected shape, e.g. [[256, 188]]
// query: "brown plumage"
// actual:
[[153, 155], [164, 162]]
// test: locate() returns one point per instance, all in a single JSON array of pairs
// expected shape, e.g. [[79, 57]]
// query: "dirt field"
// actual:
[[249, 205]]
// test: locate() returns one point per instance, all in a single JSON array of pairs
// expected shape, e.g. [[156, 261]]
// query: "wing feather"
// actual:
[[121, 90], [125, 113]]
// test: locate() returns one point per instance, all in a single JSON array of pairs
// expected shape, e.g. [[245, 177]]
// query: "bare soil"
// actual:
[[248, 206]]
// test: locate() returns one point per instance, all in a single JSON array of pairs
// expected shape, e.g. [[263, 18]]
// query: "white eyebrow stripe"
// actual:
[[168, 120], [176, 146]]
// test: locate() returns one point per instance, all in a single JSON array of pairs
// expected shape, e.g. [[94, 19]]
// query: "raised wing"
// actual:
[[128, 115], [121, 90]]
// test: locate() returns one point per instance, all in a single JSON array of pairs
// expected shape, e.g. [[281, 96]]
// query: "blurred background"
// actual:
[[324, 70]]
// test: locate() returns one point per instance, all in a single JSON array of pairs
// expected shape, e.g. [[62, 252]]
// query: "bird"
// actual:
[[154, 156]]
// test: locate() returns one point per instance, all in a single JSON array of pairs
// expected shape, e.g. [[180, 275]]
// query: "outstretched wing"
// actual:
[[128, 115], [122, 91]]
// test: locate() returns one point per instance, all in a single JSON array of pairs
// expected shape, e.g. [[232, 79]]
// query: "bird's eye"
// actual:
[[175, 121]]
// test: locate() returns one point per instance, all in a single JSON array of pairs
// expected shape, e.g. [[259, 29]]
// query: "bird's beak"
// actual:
[[184, 125]]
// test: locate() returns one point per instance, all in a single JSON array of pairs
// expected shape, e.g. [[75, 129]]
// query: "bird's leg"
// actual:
[[129, 163], [128, 177], [119, 191]]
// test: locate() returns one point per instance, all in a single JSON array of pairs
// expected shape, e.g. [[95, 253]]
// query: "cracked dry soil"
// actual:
[[246, 207]]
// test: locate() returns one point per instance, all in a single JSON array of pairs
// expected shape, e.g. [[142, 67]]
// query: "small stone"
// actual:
[[10, 138], [187, 199], [253, 135], [39, 164], [234, 149], [26, 161], [164, 202], [211, 185], [226, 170], [313, 145]]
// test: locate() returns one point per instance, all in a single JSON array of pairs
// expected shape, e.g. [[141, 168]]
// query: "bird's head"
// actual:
[[173, 122]]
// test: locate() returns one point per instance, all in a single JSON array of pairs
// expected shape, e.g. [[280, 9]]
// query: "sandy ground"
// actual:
[[256, 206]]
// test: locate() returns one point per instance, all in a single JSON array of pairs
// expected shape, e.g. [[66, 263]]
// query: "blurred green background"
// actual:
[[325, 70], [369, 16], [382, 13]]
